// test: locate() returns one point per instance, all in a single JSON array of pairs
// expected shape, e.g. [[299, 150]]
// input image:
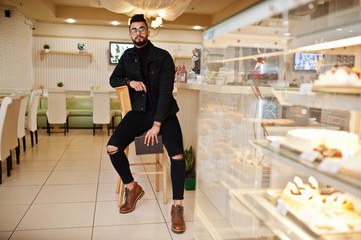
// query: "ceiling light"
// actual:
[[197, 27], [339, 29], [70, 20], [159, 20], [287, 34], [155, 24], [115, 23]]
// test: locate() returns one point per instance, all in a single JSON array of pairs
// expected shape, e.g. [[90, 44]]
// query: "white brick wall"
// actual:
[[16, 68]]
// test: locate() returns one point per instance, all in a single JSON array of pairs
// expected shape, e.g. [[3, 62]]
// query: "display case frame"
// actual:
[[236, 164]]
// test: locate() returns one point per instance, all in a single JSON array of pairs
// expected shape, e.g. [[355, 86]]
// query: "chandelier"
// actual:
[[166, 9]]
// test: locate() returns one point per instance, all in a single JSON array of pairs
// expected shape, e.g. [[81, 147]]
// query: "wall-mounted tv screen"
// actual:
[[306, 61], [116, 50]]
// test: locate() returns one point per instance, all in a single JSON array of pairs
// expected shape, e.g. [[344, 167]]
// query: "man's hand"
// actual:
[[152, 134], [138, 86]]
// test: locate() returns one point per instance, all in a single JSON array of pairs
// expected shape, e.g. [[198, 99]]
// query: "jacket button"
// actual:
[[136, 60], [141, 108], [143, 95]]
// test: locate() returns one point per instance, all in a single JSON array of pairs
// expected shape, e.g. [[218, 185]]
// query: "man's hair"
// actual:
[[138, 18]]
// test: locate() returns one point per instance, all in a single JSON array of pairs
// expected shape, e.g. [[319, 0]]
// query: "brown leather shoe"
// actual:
[[131, 198], [178, 225]]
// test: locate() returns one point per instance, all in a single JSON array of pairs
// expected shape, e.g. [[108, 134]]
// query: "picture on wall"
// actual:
[[306, 61], [116, 50]]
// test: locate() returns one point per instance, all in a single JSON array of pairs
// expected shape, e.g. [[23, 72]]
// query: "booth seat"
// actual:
[[80, 109]]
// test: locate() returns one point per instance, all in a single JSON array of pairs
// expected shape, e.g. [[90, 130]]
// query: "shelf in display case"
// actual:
[[285, 226], [320, 98], [342, 180]]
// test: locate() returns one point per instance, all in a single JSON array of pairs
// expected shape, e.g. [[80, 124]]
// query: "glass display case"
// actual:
[[277, 149]]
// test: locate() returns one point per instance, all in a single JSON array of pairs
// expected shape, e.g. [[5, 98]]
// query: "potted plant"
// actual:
[[190, 182], [46, 47], [60, 84]]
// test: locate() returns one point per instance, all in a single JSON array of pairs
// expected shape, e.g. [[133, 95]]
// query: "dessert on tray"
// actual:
[[340, 76], [328, 142], [322, 213]]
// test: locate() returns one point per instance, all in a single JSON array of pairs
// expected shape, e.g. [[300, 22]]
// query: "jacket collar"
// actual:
[[152, 54]]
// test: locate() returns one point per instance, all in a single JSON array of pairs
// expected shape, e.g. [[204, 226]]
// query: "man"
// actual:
[[149, 73]]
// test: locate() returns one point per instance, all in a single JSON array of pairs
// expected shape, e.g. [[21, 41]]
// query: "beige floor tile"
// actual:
[[67, 193], [188, 209], [75, 165], [106, 192], [34, 166], [106, 164], [54, 234], [187, 235], [11, 216], [42, 156], [157, 231], [146, 211], [108, 176], [82, 155], [5, 235], [18, 195], [73, 177], [25, 179], [59, 215]]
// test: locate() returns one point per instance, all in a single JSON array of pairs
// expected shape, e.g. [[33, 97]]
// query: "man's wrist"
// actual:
[[128, 82], [157, 124]]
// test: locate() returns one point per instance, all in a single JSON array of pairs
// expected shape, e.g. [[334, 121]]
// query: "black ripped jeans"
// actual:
[[134, 124]]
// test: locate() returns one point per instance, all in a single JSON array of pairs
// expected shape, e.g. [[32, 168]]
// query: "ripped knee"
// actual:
[[112, 149], [178, 157]]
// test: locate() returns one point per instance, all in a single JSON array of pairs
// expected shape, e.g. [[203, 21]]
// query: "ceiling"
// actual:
[[203, 13]]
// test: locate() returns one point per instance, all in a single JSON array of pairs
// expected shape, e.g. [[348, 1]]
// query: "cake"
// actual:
[[323, 213], [341, 76], [308, 139], [298, 194]]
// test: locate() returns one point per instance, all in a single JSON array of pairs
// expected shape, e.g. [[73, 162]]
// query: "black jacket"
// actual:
[[160, 71]]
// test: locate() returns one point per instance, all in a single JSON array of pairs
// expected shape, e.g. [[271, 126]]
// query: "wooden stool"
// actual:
[[161, 166]]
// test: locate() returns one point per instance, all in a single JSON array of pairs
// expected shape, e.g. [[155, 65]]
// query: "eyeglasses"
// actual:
[[140, 30]]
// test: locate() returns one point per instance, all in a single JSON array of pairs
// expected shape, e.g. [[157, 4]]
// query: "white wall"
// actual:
[[22, 69], [16, 69], [78, 72]]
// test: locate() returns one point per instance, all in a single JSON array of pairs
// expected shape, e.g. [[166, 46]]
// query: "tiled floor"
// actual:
[[64, 188]]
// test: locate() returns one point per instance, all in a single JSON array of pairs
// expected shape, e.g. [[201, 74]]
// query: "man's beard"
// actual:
[[141, 43]]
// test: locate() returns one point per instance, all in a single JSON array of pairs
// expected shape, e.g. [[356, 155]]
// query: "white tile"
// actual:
[[188, 205], [54, 234], [11, 216], [73, 177], [18, 194], [58, 215], [157, 231], [77, 165], [67, 193], [25, 179], [187, 235], [146, 211]]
